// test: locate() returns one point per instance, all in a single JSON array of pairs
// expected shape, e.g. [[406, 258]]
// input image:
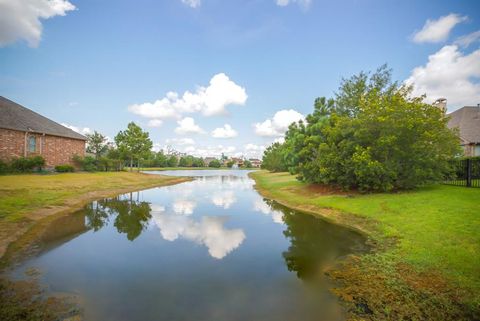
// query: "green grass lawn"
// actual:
[[22, 194], [437, 227]]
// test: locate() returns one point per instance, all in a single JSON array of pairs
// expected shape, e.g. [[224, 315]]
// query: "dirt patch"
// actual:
[[318, 190]]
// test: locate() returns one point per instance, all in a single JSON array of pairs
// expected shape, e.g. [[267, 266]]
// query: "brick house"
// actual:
[[25, 133], [467, 120], [256, 163]]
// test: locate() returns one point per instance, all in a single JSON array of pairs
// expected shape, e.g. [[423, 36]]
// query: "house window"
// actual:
[[477, 150], [32, 144]]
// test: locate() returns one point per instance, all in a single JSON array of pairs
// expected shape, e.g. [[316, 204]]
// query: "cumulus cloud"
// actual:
[[210, 100], [209, 151], [451, 74], [262, 207], [184, 207], [210, 232], [467, 40], [224, 132], [278, 125], [303, 3], [192, 3], [187, 126], [21, 19], [224, 199], [80, 130], [253, 150], [438, 30], [180, 141], [155, 123]]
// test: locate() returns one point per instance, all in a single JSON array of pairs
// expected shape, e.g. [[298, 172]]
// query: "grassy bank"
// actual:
[[427, 263], [26, 199]]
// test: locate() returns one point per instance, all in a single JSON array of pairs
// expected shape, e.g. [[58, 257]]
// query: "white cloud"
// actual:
[[210, 231], [438, 30], [192, 3], [184, 207], [467, 40], [155, 123], [187, 126], [224, 199], [224, 132], [180, 141], [80, 130], [278, 125], [20, 19], [252, 150], [303, 3], [209, 151], [450, 74], [261, 206], [210, 100]]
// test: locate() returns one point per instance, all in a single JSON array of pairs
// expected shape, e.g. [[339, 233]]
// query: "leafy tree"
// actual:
[[96, 144], [133, 143], [247, 164], [373, 136], [215, 163], [198, 162], [172, 161], [230, 164], [223, 158], [273, 158]]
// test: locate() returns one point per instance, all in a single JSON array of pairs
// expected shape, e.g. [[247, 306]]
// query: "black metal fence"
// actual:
[[466, 172]]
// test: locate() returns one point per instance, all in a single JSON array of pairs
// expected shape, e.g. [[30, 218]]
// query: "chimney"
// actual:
[[441, 103]]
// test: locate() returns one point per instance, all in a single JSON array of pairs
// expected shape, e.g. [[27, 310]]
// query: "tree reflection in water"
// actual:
[[131, 216], [310, 250]]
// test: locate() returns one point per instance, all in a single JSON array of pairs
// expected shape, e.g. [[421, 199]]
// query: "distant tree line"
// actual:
[[372, 136], [133, 148]]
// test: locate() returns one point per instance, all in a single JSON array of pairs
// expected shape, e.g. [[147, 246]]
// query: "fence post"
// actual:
[[469, 172]]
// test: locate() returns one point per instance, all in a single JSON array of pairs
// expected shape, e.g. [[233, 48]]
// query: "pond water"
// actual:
[[209, 249]]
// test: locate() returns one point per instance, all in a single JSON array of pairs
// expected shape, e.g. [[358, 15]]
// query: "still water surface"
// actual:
[[209, 249]]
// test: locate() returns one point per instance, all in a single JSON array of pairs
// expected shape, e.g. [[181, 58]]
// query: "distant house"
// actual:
[[467, 120], [256, 163], [237, 161], [207, 160], [25, 133]]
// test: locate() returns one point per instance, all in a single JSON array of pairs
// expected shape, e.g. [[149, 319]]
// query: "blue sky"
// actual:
[[89, 63]]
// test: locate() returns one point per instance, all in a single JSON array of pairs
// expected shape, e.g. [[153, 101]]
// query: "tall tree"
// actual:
[[96, 144], [133, 143]]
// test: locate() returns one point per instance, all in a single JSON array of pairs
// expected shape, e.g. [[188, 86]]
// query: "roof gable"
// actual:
[[467, 120], [16, 117]]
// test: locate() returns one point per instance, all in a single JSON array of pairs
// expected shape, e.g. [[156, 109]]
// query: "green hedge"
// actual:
[[22, 165], [64, 168]]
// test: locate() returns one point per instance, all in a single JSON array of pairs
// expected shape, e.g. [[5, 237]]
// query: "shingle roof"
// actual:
[[16, 117], [467, 120]]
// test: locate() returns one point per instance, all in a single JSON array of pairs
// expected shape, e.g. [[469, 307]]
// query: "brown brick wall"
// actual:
[[56, 150], [12, 144]]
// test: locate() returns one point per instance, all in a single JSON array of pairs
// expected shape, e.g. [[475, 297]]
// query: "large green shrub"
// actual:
[[215, 163], [374, 136], [64, 168], [27, 164], [4, 168], [87, 163], [273, 158]]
